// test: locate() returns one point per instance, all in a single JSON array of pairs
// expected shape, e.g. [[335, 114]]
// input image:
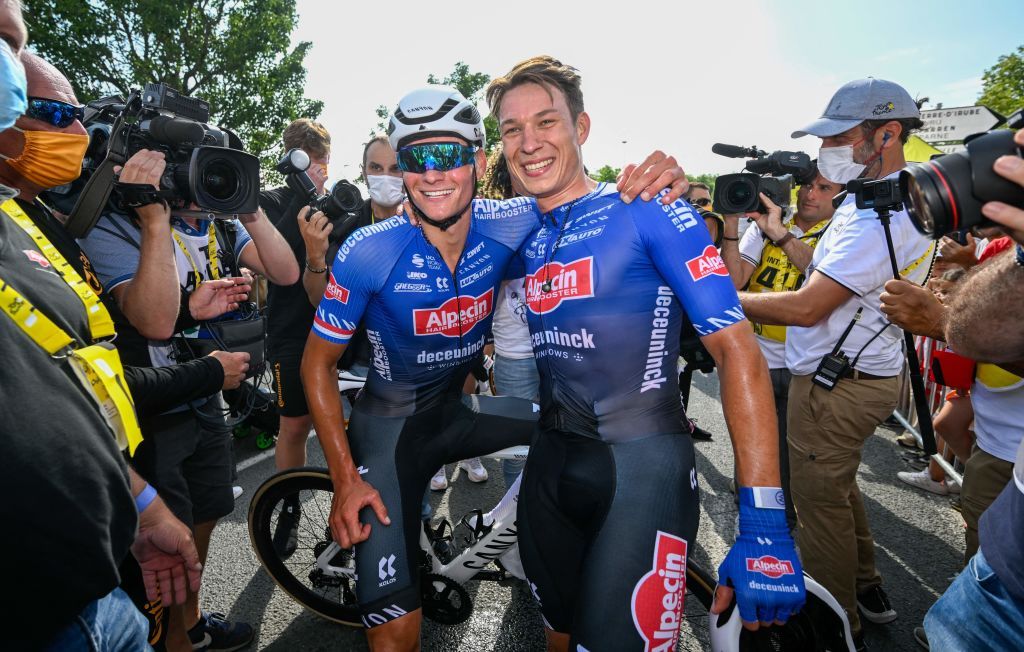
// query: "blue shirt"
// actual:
[[425, 323], [607, 284]]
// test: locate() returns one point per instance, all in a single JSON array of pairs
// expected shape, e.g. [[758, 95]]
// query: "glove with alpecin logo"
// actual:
[[762, 566]]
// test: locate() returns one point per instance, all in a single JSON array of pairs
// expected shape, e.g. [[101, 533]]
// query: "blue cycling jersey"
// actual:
[[424, 322], [606, 287]]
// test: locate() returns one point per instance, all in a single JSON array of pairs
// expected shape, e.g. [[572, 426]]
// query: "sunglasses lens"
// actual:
[[58, 114], [434, 156]]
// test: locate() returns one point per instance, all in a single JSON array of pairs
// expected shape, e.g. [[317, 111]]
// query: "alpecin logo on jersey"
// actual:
[[707, 264], [335, 292], [453, 317], [770, 566], [573, 280], [658, 597]]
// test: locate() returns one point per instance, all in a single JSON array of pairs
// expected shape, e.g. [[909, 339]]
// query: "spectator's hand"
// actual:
[[913, 308], [146, 166], [348, 500], [315, 234], [167, 555], [235, 364], [770, 223], [656, 173], [214, 298], [958, 254], [1012, 219]]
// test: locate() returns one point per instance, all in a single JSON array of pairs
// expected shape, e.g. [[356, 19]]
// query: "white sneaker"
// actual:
[[475, 469], [236, 491], [953, 486], [439, 482], [922, 480]]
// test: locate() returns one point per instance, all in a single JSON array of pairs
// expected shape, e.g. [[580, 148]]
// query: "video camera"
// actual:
[[206, 166], [773, 174], [946, 193], [343, 199]]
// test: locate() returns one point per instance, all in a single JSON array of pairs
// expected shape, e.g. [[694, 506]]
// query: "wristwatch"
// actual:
[[781, 242]]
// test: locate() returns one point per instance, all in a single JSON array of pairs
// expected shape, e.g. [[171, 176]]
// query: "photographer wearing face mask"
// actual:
[[844, 355]]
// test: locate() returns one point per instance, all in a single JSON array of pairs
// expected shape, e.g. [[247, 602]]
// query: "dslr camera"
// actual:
[[946, 193], [343, 199], [773, 174], [206, 166]]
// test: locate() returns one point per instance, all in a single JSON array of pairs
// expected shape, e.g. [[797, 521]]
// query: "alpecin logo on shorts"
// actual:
[[658, 597]]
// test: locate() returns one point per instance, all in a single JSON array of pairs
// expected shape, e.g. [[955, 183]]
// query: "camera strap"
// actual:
[[97, 366]]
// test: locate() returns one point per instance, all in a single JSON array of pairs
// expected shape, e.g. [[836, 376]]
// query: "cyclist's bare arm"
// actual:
[[351, 493], [748, 404]]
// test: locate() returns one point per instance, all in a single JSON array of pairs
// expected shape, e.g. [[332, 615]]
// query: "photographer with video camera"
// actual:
[[58, 361], [186, 453], [772, 256], [844, 356]]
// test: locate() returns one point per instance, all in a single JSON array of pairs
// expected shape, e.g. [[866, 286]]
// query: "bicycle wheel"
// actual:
[[700, 594], [329, 594]]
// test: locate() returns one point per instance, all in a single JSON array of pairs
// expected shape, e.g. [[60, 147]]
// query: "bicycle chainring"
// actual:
[[444, 600]]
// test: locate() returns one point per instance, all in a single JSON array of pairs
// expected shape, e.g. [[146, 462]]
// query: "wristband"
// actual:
[[763, 497], [1020, 255], [145, 498], [725, 237], [315, 270], [781, 242]]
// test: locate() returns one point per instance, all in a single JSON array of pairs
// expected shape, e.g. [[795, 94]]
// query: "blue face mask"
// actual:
[[13, 88]]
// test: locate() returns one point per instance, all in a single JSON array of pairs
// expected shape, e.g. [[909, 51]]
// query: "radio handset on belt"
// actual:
[[836, 364]]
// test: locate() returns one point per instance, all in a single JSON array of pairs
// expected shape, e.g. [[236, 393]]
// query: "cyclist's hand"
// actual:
[[349, 499], [657, 172], [167, 555], [762, 567]]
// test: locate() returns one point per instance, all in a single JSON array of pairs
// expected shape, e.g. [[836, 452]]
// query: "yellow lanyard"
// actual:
[[926, 255], [211, 253], [97, 367]]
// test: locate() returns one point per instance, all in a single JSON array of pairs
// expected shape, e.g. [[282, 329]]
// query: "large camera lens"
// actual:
[[740, 193], [946, 193], [736, 193], [220, 180], [224, 180]]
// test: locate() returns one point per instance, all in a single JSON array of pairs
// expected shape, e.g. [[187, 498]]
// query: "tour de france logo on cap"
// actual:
[[883, 108]]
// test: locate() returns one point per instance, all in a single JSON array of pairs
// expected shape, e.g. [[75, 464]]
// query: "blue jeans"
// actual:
[[976, 613], [109, 624], [517, 378]]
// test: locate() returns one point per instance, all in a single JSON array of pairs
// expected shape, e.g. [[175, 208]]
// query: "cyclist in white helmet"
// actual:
[[424, 287]]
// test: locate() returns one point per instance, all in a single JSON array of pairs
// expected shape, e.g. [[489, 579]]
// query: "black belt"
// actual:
[[861, 375]]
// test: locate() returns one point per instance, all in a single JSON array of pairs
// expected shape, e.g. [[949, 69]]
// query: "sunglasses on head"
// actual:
[[703, 202], [54, 112], [435, 156]]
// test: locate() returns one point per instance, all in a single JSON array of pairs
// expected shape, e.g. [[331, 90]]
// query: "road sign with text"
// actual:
[[956, 123]]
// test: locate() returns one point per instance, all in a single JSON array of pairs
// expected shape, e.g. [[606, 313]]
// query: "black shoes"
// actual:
[[874, 605]]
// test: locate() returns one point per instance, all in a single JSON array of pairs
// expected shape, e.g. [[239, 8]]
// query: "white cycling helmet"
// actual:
[[821, 625], [435, 111]]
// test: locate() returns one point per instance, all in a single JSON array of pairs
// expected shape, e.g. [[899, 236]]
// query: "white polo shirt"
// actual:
[[853, 253]]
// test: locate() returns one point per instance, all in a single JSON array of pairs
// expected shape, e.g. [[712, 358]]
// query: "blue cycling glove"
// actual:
[[762, 566]]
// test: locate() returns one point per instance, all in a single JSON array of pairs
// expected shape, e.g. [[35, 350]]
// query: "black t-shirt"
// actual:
[[289, 312], [67, 502]]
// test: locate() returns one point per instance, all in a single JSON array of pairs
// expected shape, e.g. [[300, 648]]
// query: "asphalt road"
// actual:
[[919, 544]]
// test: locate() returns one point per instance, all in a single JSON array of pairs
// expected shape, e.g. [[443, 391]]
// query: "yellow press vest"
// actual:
[[777, 273]]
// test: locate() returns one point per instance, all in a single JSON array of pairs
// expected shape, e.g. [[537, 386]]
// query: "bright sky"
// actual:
[[657, 73]]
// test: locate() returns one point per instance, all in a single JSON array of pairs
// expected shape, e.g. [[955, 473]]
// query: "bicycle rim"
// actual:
[[297, 575], [694, 633]]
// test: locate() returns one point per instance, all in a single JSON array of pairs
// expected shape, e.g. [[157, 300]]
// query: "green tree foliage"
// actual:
[[235, 54], [606, 173], [709, 179], [1003, 83]]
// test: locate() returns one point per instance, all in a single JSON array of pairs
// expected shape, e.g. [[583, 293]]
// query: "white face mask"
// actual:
[[385, 190], [836, 164]]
